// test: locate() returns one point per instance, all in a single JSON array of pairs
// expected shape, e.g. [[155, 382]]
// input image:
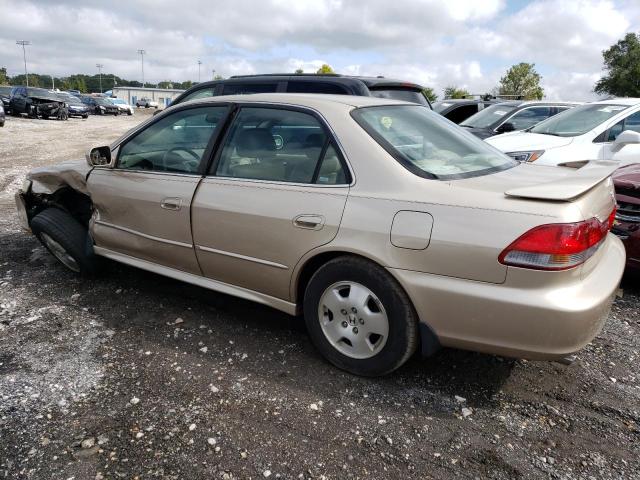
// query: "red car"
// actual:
[[627, 224]]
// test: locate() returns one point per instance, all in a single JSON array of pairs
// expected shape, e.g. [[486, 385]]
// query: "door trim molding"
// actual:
[[242, 257], [245, 293], [143, 235]]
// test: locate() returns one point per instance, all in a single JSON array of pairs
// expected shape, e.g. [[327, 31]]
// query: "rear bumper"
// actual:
[[549, 320]]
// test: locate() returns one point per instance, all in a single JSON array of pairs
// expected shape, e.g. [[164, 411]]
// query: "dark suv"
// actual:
[[512, 115], [308, 83]]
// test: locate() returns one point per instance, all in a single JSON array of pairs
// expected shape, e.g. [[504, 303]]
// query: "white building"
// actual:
[[164, 96]]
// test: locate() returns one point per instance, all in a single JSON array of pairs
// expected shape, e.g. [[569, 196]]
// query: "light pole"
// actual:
[[213, 74], [24, 55], [53, 83], [100, 67], [199, 63], [142, 52]]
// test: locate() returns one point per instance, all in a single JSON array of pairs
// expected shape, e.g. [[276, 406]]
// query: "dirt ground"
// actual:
[[132, 375]]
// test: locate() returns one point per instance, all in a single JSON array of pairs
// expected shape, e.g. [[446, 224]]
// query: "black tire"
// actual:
[[403, 335], [85, 116], [129, 112], [69, 234]]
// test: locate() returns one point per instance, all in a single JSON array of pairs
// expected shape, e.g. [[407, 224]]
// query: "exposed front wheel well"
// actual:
[[77, 204]]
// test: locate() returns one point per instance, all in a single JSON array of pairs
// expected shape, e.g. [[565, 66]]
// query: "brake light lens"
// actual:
[[557, 246]]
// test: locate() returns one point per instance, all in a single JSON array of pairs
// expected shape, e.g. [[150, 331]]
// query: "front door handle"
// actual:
[[171, 203], [310, 222]]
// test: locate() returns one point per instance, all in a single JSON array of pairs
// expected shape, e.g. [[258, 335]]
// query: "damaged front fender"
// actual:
[[48, 180]]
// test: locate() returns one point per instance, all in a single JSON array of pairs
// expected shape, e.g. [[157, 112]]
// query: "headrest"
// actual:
[[314, 140], [254, 142]]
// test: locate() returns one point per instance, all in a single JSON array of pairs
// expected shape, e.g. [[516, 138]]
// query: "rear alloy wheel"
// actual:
[[359, 317], [66, 239]]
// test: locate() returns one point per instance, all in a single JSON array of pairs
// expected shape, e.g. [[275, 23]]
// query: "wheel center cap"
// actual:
[[352, 319]]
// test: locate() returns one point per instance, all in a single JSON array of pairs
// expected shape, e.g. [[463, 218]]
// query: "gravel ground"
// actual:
[[132, 375]]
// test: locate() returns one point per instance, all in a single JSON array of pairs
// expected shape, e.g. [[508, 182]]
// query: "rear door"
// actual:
[[142, 206], [277, 189]]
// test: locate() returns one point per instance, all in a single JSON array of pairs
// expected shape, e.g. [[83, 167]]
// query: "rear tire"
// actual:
[[359, 317], [66, 239]]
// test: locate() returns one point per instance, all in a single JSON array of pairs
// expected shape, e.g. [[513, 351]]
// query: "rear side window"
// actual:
[[316, 87], [176, 143], [632, 122], [279, 145], [404, 94], [247, 88]]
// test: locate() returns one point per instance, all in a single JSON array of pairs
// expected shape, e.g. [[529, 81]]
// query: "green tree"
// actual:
[[4, 80], [522, 80], [455, 92], [324, 69], [622, 63], [299, 70], [430, 94], [218, 77]]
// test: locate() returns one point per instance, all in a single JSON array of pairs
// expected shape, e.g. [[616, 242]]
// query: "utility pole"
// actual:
[[100, 67], [199, 63], [213, 74], [53, 83], [142, 52], [24, 55]]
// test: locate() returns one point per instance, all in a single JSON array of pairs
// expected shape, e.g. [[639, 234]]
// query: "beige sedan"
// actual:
[[391, 229]]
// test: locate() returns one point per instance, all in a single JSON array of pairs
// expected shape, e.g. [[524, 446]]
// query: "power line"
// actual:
[[142, 53], [24, 43]]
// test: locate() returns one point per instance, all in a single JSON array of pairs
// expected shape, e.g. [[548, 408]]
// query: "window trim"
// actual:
[[330, 134], [206, 155]]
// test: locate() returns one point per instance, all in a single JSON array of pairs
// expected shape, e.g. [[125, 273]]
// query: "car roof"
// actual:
[[620, 101], [302, 99], [368, 81]]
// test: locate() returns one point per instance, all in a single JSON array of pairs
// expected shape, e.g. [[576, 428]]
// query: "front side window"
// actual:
[[176, 143], [632, 122], [427, 144], [528, 117], [296, 86], [578, 120], [487, 117], [279, 145]]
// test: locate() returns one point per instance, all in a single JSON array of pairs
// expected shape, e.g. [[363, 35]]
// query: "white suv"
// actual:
[[146, 103], [604, 130]]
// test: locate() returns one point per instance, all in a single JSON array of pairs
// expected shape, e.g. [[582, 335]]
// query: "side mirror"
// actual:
[[506, 127], [627, 137], [99, 157]]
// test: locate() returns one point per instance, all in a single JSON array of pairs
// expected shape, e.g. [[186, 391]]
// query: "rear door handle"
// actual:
[[172, 203], [310, 222]]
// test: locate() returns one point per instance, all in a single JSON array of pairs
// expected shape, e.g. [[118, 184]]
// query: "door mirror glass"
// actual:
[[506, 127], [627, 137], [99, 157]]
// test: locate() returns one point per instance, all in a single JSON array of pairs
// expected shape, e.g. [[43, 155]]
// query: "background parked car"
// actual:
[[100, 105], [627, 224], [604, 130], [458, 110], [2, 116], [511, 116], [75, 106], [37, 102], [146, 103], [122, 105], [308, 83], [5, 97]]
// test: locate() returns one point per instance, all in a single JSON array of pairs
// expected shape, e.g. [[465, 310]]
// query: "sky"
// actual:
[[437, 43]]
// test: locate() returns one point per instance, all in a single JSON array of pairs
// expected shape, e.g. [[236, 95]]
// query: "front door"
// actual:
[[277, 190], [142, 206]]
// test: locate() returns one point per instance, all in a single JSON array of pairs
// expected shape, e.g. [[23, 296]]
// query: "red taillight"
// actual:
[[557, 246]]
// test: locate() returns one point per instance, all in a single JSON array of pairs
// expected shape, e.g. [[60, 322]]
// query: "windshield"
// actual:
[[488, 116], [41, 93], [429, 145], [102, 101], [118, 101], [404, 94], [578, 120]]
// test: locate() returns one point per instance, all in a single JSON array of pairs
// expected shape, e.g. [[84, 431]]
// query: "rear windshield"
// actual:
[[404, 94], [578, 120], [488, 116], [429, 145]]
